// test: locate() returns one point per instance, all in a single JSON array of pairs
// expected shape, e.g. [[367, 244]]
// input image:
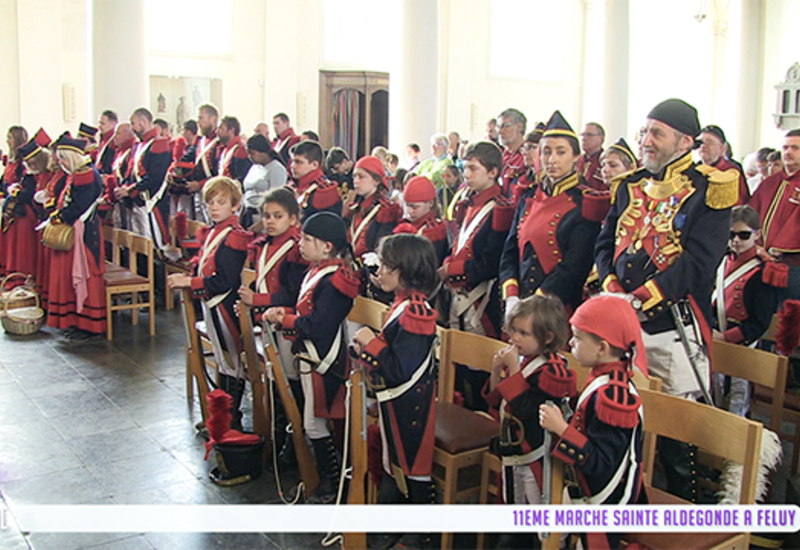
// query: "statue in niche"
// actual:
[[181, 112], [162, 103]]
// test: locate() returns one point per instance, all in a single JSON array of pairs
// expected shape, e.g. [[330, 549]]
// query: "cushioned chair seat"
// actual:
[[459, 429], [678, 541], [790, 401], [122, 278]]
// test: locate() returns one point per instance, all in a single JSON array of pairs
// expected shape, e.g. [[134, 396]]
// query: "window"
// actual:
[[362, 33], [197, 27]]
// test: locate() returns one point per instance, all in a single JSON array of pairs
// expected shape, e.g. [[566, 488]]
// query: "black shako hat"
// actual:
[[328, 227], [677, 114], [86, 131], [622, 146], [716, 131]]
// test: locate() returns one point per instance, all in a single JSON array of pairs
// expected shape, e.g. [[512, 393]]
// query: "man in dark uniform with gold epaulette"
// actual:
[[661, 243]]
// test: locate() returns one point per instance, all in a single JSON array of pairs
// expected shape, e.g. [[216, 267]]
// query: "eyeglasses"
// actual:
[[588, 134], [743, 235]]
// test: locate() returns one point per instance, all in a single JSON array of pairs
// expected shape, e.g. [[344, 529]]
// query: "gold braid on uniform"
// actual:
[[723, 187]]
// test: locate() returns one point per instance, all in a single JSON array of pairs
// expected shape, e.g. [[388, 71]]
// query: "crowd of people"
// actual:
[[511, 236]]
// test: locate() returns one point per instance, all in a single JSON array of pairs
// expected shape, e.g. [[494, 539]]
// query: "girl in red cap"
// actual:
[[372, 215], [422, 215], [524, 375], [603, 440]]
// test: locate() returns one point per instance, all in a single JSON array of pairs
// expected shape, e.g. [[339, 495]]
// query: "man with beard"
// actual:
[[205, 158], [713, 151], [661, 244], [233, 160], [511, 131], [146, 184]]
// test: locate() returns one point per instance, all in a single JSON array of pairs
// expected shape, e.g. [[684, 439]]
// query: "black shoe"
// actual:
[[329, 470], [79, 335], [287, 460]]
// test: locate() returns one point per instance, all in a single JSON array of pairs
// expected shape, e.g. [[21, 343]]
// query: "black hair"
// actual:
[[310, 134], [284, 197], [746, 214], [336, 156], [232, 123], [161, 123], [414, 147], [793, 133], [763, 153], [414, 257], [110, 115], [190, 125], [311, 150], [283, 117]]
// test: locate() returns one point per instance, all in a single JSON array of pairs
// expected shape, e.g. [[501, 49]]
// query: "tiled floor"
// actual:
[[100, 423]]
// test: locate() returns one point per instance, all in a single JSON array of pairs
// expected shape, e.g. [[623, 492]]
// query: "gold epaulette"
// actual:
[[723, 187], [615, 181]]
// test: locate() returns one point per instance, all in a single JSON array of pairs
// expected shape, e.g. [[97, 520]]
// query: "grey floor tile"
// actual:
[[188, 492], [150, 471], [36, 454], [75, 541], [112, 418], [138, 542], [108, 447], [74, 486], [87, 401]]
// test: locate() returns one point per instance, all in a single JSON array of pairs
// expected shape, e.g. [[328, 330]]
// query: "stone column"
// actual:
[[616, 55], [744, 135], [118, 77], [414, 89]]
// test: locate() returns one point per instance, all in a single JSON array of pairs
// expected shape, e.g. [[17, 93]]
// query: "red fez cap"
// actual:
[[374, 165], [419, 189], [41, 138], [614, 320]]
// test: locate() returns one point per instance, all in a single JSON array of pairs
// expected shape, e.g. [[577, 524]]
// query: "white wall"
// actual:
[[781, 50]]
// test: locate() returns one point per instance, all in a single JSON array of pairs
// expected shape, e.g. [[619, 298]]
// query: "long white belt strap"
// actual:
[[527, 458], [474, 224], [330, 358], [393, 393]]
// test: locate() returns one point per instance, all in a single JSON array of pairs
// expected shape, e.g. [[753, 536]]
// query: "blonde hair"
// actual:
[[222, 185], [39, 162], [71, 161]]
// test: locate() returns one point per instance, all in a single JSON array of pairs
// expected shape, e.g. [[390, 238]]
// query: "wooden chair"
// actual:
[[462, 436], [361, 490], [490, 473], [126, 282], [182, 265], [195, 361], [715, 431]]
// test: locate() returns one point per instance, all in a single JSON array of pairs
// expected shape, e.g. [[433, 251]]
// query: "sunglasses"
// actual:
[[743, 235]]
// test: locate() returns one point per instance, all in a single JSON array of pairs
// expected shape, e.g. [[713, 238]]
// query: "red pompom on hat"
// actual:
[[614, 320], [419, 189], [374, 165]]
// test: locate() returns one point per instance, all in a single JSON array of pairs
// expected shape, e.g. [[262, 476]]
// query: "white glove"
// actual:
[[40, 196], [511, 301]]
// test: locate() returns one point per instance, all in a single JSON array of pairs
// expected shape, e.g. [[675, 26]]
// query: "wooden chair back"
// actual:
[[713, 430], [195, 369], [368, 312], [759, 367], [463, 348], [257, 375], [640, 380]]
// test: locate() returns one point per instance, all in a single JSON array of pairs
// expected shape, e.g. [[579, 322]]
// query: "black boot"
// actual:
[[678, 460], [419, 492], [235, 388], [329, 470]]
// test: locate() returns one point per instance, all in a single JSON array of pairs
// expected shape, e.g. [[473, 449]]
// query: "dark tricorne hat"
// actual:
[[328, 227], [677, 114], [557, 126], [69, 143], [716, 131], [622, 146], [28, 150], [539, 129]]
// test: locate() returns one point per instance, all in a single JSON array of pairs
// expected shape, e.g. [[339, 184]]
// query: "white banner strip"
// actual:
[[399, 518]]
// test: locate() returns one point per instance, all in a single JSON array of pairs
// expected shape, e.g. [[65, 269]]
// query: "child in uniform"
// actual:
[[603, 440], [316, 323], [314, 192], [400, 364], [745, 298], [217, 276], [422, 216]]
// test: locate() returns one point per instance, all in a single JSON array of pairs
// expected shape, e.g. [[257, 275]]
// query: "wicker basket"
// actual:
[[22, 320], [26, 298]]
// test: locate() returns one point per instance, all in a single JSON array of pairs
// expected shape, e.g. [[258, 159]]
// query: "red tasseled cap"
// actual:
[[612, 319], [788, 333], [405, 227], [419, 189], [218, 423], [181, 228], [374, 165], [41, 138]]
